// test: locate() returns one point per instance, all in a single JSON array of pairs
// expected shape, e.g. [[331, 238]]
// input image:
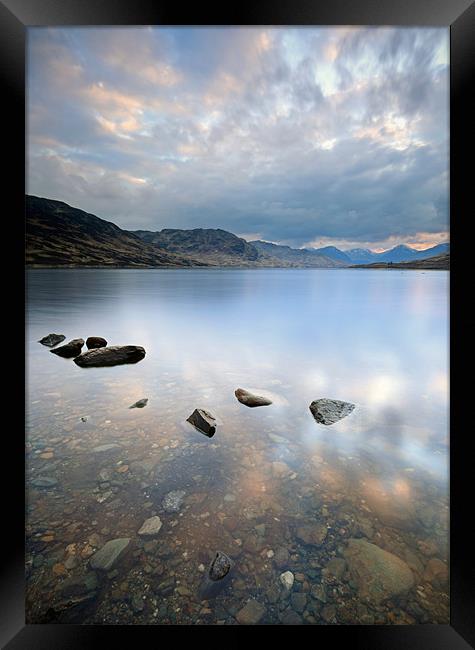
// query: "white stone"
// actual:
[[287, 579]]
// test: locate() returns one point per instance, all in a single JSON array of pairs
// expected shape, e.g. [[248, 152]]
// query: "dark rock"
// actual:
[[251, 613], [247, 398], [217, 577], [203, 421], [71, 349], [220, 566], [93, 342], [112, 356], [79, 585], [140, 404], [52, 339], [329, 411]]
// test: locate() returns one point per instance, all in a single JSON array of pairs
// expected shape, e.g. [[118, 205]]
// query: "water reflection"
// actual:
[[372, 338]]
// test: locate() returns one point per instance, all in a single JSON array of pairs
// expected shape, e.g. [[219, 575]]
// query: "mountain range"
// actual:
[[58, 235]]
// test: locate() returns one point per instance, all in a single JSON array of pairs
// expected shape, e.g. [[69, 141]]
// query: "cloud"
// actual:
[[297, 134]]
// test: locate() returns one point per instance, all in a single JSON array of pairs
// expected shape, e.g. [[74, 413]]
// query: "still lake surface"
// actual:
[[273, 489]]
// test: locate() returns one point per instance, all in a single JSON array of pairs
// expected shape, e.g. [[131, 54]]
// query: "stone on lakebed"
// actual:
[[107, 556]]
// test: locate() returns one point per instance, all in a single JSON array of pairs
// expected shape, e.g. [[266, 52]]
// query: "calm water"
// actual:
[[272, 489]]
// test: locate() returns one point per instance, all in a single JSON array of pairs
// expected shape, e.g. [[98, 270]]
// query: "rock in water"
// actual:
[[247, 398], [52, 339], [378, 574], [287, 579], [108, 555], [173, 500], [140, 404], [93, 342], [112, 356], [251, 613], [150, 527], [71, 349], [217, 577], [203, 421], [329, 411], [220, 566]]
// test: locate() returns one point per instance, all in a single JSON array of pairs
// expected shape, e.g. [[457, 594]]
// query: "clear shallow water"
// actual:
[[374, 338]]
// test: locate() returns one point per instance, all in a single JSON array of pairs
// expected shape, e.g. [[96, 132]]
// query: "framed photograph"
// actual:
[[233, 233]]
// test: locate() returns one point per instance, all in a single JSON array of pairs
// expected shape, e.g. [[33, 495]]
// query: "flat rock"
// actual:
[[79, 585], [247, 398], [329, 411], [71, 349], [44, 481], [140, 404], [108, 447], [52, 339], [378, 574], [312, 534], [150, 527], [93, 342], [251, 613], [203, 421], [173, 501], [108, 555], [112, 356]]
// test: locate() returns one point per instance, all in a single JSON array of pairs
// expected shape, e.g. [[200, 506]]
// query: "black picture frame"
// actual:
[[15, 17]]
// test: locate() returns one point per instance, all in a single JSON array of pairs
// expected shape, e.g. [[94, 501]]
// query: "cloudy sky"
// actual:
[[302, 136]]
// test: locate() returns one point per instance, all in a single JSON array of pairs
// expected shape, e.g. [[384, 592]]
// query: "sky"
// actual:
[[300, 136]]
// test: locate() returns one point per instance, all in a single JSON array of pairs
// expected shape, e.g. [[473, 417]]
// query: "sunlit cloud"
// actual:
[[308, 137]]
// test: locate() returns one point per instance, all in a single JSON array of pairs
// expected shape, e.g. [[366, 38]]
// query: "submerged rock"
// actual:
[[108, 555], [217, 576], [329, 411], [313, 534], [287, 580], [79, 585], [251, 613], [172, 501], [71, 349], [93, 342], [44, 481], [112, 356], [247, 398], [220, 566], [140, 404], [150, 527], [52, 339], [378, 574], [203, 421]]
